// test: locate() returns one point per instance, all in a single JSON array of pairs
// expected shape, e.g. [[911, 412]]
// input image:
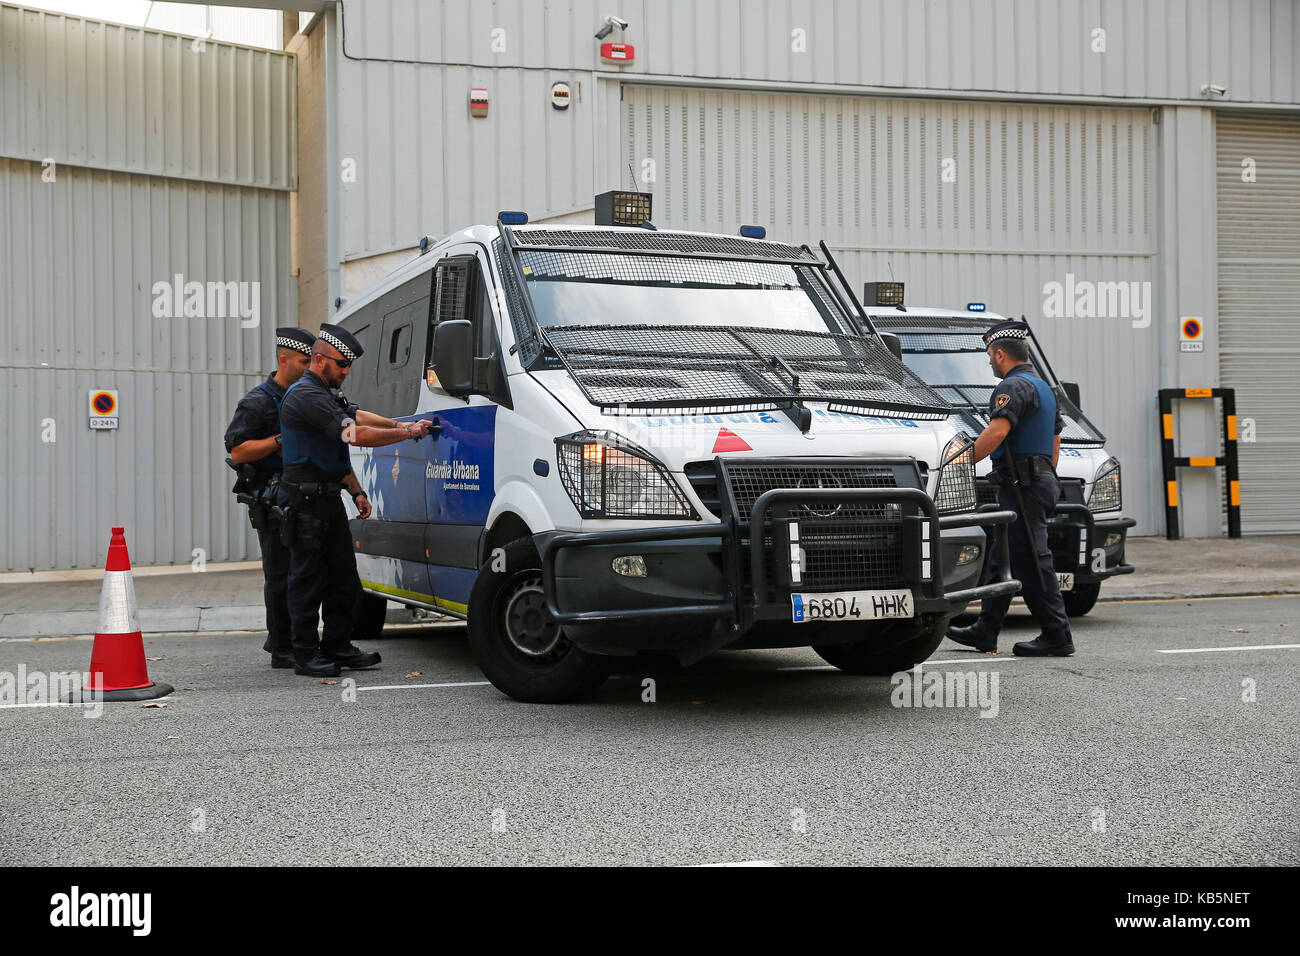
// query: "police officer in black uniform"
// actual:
[[253, 442], [1024, 440], [317, 425]]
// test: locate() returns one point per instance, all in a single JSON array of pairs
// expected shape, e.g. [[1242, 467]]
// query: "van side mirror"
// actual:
[[893, 343], [1072, 393], [453, 355]]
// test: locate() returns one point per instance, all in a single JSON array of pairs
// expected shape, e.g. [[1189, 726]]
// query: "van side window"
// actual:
[[460, 292], [402, 333]]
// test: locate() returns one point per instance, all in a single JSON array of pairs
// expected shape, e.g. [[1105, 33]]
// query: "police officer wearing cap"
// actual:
[[318, 424], [1024, 440], [253, 442]]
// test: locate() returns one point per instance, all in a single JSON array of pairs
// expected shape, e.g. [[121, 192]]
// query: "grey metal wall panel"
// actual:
[[1039, 193], [79, 259], [1259, 289], [108, 96], [1154, 49]]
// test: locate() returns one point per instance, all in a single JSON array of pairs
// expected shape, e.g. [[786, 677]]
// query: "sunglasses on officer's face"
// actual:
[[341, 363]]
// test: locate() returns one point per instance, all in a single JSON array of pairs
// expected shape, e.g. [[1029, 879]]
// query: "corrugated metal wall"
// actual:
[[82, 244], [1259, 294], [423, 165], [1036, 194], [1154, 49]]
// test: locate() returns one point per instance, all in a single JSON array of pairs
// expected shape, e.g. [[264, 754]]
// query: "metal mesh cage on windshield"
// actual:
[[661, 367], [530, 347], [645, 240], [657, 270]]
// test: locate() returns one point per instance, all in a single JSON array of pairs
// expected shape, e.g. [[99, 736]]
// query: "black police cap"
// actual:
[[343, 340], [1006, 330], [289, 337]]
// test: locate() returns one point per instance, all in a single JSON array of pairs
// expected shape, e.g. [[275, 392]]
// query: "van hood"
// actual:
[[676, 439]]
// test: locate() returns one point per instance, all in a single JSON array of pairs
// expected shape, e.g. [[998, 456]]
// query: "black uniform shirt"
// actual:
[[1015, 398], [256, 416], [314, 408]]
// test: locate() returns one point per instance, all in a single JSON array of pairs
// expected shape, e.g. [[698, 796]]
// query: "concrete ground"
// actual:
[[1170, 738]]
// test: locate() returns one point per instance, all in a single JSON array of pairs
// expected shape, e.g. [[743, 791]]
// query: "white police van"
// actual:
[[944, 347], [654, 441]]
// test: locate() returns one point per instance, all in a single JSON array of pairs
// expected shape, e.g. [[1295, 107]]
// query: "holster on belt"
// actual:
[[1027, 470], [250, 489], [299, 527]]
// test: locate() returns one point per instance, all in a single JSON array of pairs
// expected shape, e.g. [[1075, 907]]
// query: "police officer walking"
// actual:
[[253, 442], [1024, 439], [317, 426]]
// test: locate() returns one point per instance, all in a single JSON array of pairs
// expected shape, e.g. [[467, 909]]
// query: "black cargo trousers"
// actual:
[[1027, 543], [275, 588], [322, 578]]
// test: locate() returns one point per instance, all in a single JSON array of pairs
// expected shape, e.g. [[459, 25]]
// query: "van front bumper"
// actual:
[[706, 577], [1074, 534]]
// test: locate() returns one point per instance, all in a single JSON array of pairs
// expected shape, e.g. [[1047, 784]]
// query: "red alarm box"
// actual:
[[478, 102], [619, 53]]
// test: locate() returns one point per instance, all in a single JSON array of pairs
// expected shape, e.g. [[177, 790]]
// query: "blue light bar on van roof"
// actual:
[[975, 307], [753, 232], [512, 217]]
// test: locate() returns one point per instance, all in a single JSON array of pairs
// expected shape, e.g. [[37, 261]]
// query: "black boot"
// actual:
[[1043, 646], [318, 666], [973, 637], [281, 660], [351, 657]]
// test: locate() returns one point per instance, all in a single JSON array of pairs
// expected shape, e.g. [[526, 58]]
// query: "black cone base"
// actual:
[[152, 692]]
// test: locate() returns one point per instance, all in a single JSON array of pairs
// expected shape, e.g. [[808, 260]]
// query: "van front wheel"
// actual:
[[517, 643], [923, 637]]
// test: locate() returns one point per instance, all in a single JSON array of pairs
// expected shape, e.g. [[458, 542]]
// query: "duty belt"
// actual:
[[1029, 468], [311, 489]]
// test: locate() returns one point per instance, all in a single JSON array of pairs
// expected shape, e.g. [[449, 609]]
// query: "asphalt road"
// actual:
[[1119, 755]]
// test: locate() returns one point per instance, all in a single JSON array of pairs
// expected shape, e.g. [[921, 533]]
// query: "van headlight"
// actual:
[[607, 476], [1105, 494], [956, 490]]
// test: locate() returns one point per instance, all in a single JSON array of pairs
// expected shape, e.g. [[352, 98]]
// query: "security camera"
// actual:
[[616, 22], [1213, 89]]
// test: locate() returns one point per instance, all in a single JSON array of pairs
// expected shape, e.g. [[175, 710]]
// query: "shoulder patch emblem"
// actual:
[[1002, 400]]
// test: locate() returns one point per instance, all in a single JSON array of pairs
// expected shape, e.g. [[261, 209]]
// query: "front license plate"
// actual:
[[1065, 580], [852, 606]]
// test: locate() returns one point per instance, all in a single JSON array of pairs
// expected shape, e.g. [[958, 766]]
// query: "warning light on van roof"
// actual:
[[512, 217], [882, 293], [975, 306]]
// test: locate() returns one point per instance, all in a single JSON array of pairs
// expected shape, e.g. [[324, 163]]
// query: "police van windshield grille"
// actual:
[[662, 367], [957, 365]]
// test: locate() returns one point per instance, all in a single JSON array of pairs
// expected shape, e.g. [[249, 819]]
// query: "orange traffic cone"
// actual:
[[117, 666]]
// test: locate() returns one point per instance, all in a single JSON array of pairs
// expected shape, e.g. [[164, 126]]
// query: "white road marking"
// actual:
[[741, 863], [1243, 647], [468, 683]]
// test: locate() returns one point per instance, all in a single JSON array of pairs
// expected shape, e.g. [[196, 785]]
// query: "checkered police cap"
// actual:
[[341, 339], [300, 340], [1006, 330]]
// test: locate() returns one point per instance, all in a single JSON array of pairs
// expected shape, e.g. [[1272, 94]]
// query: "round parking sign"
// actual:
[[104, 403], [1191, 328]]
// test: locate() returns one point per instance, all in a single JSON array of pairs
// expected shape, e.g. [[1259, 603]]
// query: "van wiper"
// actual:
[[660, 367]]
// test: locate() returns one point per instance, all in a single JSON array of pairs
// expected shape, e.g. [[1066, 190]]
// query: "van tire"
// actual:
[[863, 657], [368, 617], [1080, 601], [523, 653]]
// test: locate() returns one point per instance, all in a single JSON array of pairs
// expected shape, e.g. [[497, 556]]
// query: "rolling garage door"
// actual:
[[962, 201], [1259, 305]]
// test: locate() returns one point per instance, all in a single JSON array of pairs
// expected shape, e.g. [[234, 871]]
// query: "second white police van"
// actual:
[[655, 441], [1087, 531]]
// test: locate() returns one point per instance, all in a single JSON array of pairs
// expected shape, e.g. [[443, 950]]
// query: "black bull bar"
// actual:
[[742, 607]]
